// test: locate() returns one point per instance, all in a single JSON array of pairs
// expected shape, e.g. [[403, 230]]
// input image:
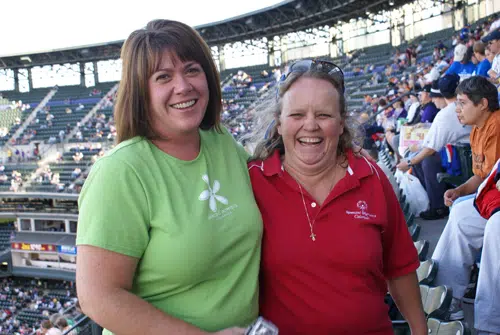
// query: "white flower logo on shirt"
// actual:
[[211, 194]]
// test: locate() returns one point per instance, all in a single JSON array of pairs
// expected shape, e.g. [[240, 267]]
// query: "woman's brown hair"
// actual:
[[141, 56], [273, 140]]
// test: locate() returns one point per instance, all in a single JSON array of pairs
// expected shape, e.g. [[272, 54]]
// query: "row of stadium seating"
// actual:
[[435, 300], [357, 86]]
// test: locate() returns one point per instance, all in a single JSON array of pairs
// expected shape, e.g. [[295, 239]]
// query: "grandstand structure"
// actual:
[[51, 134]]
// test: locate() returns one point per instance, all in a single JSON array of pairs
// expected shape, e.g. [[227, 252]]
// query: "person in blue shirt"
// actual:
[[484, 64], [462, 64]]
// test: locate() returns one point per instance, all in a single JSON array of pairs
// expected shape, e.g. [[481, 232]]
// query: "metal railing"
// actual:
[[85, 326]]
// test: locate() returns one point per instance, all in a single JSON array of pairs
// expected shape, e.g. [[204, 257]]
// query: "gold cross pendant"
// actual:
[[313, 236]]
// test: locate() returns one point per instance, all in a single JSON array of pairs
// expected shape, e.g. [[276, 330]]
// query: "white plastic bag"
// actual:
[[398, 175], [415, 193]]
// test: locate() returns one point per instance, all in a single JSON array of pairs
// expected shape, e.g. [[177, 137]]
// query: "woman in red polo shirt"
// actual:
[[334, 235]]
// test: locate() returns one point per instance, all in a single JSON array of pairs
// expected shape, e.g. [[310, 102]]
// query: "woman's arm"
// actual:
[[406, 293], [104, 279]]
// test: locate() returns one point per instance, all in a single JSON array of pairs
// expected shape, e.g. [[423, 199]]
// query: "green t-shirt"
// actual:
[[194, 225]]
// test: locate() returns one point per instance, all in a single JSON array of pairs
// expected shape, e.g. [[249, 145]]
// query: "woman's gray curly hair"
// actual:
[[265, 136]]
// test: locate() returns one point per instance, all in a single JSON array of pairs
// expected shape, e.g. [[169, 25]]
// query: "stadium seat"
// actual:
[[426, 272], [437, 327], [422, 247], [410, 219], [414, 230], [436, 301], [465, 156]]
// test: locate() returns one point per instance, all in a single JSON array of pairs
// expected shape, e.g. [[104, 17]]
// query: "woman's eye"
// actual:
[[193, 70], [162, 77]]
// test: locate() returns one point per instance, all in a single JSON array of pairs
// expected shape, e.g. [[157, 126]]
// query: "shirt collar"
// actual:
[[358, 167]]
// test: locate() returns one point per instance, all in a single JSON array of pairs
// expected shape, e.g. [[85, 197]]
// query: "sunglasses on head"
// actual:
[[316, 65]]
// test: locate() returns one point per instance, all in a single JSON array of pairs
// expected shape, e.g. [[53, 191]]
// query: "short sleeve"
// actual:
[[400, 255], [113, 209], [454, 68], [436, 138], [242, 153], [491, 151], [483, 68]]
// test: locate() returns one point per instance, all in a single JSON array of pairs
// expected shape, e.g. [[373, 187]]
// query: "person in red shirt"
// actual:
[[334, 237]]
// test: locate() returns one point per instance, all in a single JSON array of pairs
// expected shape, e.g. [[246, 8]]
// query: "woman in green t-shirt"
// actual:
[[166, 241]]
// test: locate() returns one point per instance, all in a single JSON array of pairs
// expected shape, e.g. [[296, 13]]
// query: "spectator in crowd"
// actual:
[[446, 129], [138, 251], [45, 327], [308, 182], [370, 130], [62, 324], [428, 109], [77, 157], [484, 64], [463, 236], [462, 64], [493, 43]]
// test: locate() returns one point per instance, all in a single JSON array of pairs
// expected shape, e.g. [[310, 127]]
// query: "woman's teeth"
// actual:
[[184, 104], [310, 140]]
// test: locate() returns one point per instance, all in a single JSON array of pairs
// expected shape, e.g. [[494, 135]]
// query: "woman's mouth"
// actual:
[[185, 104], [310, 140]]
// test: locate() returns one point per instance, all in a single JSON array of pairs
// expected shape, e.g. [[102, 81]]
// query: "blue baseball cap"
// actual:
[[494, 35], [435, 91], [448, 85]]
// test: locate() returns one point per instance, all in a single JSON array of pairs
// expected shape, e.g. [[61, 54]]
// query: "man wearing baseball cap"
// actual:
[[446, 129], [492, 41], [428, 109]]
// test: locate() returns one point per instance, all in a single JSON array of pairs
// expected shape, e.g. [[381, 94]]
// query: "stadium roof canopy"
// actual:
[[285, 17]]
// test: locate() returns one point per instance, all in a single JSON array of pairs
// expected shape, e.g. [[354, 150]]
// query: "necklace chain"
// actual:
[[311, 224]]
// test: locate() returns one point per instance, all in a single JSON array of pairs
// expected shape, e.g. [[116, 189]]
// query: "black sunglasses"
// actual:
[[316, 65]]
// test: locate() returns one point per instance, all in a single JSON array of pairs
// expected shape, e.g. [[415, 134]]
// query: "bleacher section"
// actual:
[[24, 169], [33, 98], [62, 113], [92, 131], [27, 302], [6, 231], [66, 171], [237, 99], [435, 300]]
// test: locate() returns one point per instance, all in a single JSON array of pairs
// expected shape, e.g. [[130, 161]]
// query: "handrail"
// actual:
[[85, 319]]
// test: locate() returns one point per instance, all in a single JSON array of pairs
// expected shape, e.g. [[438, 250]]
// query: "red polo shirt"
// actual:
[[336, 284]]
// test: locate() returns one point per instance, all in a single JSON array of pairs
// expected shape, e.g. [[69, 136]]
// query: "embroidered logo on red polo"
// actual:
[[363, 211]]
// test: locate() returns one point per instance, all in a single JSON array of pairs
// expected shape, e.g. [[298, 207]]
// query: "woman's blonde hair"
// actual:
[[141, 56], [267, 119]]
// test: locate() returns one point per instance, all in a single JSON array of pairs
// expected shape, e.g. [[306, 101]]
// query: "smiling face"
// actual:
[[310, 124], [178, 96]]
